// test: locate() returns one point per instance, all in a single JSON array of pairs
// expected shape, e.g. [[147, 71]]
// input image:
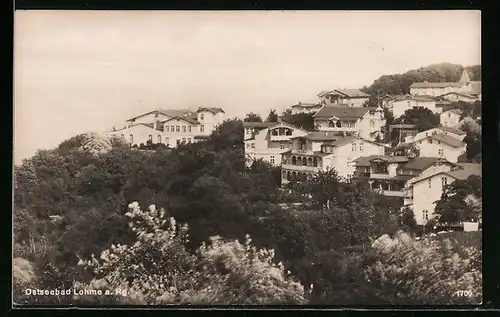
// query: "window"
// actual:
[[189, 140], [430, 183], [361, 146], [253, 145], [439, 142], [177, 129], [183, 140], [201, 117], [172, 129], [353, 148], [449, 115], [425, 215], [430, 141], [444, 181], [166, 128], [202, 128], [349, 162], [440, 152], [282, 146], [159, 138], [272, 159], [131, 138], [189, 128], [150, 138], [372, 124], [426, 133], [166, 140], [183, 128], [123, 136], [156, 115]]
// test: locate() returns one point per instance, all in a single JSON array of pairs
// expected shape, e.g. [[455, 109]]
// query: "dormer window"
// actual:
[[202, 116], [156, 114]]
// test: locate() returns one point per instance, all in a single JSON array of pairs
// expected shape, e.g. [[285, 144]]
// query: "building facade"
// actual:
[[345, 97], [399, 105], [308, 108], [270, 143], [365, 122], [449, 131], [450, 118], [422, 192], [170, 127], [464, 85], [321, 151]]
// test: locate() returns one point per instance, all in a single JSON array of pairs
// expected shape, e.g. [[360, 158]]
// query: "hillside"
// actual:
[[400, 83]]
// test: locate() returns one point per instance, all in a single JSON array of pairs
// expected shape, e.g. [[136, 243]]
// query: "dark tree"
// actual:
[[253, 117], [272, 117], [421, 117]]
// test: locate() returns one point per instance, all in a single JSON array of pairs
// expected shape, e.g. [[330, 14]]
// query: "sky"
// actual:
[[81, 71]]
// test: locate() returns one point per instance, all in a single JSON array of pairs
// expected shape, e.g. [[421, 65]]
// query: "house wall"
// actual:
[[400, 106], [449, 119], [369, 124], [424, 198], [345, 155], [183, 135], [141, 134], [433, 91], [430, 148], [209, 121], [455, 97]]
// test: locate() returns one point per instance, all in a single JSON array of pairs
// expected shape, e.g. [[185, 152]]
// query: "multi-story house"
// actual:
[[450, 118], [400, 104], [424, 191], [251, 128], [440, 145], [464, 85], [389, 175], [320, 151], [170, 127], [345, 97], [365, 122], [458, 96], [306, 107], [269, 144]]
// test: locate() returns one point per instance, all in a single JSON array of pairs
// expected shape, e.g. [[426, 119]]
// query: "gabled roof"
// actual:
[[327, 112], [464, 78], [183, 118], [211, 109], [463, 94], [448, 140], [148, 125], [167, 112], [462, 171], [285, 124], [434, 85], [416, 163], [452, 130], [324, 92], [258, 125], [352, 93]]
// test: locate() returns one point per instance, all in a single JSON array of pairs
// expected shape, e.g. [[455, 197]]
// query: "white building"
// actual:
[[170, 127], [320, 151], [450, 118], [270, 143], [424, 191], [464, 85], [400, 104], [440, 145], [306, 107], [459, 96], [345, 97], [365, 122]]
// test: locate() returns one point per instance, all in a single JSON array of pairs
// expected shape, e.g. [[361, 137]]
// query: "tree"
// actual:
[[421, 117], [158, 269], [253, 117], [273, 116], [452, 207], [302, 120]]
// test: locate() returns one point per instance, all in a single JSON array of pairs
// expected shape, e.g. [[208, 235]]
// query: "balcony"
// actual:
[[393, 193], [301, 168], [380, 175], [337, 129], [279, 138]]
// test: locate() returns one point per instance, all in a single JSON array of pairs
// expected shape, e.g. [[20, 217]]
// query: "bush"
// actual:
[[158, 269]]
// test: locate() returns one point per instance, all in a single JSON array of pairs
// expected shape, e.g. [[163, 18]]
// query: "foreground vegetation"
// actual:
[[214, 232]]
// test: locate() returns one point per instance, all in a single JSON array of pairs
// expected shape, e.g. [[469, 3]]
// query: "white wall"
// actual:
[[345, 155], [182, 135], [140, 134], [365, 126], [449, 119], [430, 148], [400, 106], [433, 91], [149, 118], [209, 121], [424, 197]]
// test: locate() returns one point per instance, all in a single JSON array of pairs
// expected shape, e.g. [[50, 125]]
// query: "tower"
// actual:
[[464, 79]]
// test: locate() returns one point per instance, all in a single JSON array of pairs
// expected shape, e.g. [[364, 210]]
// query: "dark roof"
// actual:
[[211, 109], [186, 118], [452, 130], [342, 112], [421, 163], [402, 177], [365, 160], [258, 125], [434, 85]]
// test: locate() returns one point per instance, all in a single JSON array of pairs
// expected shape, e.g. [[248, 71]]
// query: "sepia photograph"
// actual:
[[247, 158]]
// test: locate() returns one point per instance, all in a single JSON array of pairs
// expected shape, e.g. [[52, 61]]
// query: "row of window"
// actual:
[[177, 128], [160, 139], [444, 181], [355, 146]]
